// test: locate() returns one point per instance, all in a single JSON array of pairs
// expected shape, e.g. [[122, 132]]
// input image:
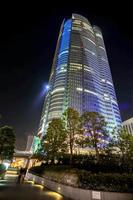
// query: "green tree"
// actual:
[[54, 142], [122, 143], [7, 142], [95, 131], [72, 120]]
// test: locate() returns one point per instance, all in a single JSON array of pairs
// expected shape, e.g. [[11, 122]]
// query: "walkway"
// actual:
[[9, 190]]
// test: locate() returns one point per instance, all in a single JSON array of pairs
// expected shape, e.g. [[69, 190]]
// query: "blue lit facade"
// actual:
[[80, 76]]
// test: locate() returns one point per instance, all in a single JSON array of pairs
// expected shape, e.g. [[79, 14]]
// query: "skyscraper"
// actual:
[[80, 77]]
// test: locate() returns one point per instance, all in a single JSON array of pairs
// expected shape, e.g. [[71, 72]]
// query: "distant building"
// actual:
[[29, 143], [128, 125], [80, 77]]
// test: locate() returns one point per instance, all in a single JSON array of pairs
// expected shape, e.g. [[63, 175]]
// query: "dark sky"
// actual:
[[28, 38]]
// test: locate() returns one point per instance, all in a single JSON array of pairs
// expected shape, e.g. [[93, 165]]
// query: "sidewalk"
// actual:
[[9, 190]]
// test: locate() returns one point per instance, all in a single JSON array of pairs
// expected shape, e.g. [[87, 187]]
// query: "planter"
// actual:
[[78, 193]]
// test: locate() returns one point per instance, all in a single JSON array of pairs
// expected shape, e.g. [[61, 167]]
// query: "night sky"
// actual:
[[28, 39]]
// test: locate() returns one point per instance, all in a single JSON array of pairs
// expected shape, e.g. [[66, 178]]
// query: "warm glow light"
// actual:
[[11, 172], [29, 181], [39, 186], [55, 195]]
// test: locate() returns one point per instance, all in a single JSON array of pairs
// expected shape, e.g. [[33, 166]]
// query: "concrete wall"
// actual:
[[77, 193]]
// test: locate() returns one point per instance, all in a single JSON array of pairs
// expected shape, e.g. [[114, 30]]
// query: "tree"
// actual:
[[7, 142], [54, 141], [72, 120], [122, 143], [95, 131]]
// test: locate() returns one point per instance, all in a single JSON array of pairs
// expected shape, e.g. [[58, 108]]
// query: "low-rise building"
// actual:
[[128, 125]]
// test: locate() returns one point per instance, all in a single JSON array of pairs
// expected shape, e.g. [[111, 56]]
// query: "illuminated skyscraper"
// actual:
[[80, 77]]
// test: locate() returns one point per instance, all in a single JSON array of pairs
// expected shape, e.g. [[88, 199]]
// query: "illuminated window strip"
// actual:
[[61, 71], [102, 58], [106, 98], [103, 80], [74, 46], [59, 83], [58, 102], [90, 52], [89, 40], [62, 65], [88, 91], [87, 27], [59, 76], [88, 67], [51, 74], [63, 52], [77, 21], [75, 67], [54, 95], [109, 83], [76, 28], [57, 90], [88, 70], [91, 92], [102, 48], [56, 99], [99, 35], [54, 113], [61, 80], [106, 95], [113, 101], [55, 107], [75, 64], [96, 94]]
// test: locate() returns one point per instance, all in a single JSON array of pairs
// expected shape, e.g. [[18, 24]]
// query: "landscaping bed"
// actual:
[[114, 182]]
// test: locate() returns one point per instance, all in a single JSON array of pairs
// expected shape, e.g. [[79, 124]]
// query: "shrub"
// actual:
[[106, 182], [114, 182]]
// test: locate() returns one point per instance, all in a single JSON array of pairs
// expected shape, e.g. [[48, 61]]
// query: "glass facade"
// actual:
[[80, 76]]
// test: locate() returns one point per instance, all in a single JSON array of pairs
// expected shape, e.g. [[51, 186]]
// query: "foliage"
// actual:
[[89, 162], [7, 142], [115, 182], [64, 137], [54, 142], [106, 182], [72, 120], [109, 164], [122, 144], [95, 130]]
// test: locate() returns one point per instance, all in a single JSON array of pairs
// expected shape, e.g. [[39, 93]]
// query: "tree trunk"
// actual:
[[97, 153], [71, 155]]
